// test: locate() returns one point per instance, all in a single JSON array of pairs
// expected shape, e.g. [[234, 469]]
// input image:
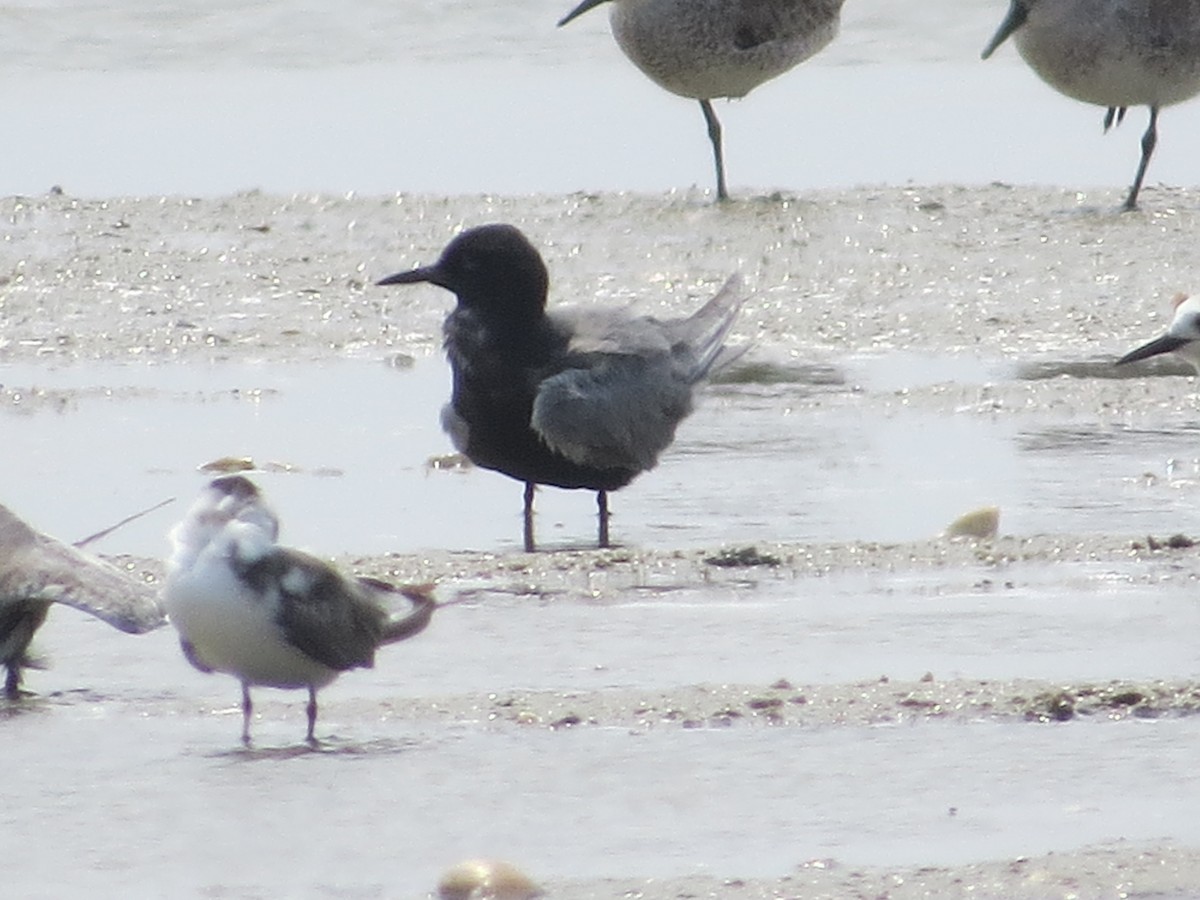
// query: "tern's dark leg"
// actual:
[[714, 135], [312, 715], [529, 543], [247, 710], [602, 515], [12, 681], [1149, 139]]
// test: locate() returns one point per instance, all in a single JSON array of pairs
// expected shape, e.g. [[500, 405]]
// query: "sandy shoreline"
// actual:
[[1044, 286], [999, 271]]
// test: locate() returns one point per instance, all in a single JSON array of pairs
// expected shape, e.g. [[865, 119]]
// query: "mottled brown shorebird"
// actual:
[[37, 570], [704, 49], [1114, 53]]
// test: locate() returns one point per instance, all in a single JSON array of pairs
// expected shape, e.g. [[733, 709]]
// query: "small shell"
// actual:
[[486, 879], [980, 523], [228, 464]]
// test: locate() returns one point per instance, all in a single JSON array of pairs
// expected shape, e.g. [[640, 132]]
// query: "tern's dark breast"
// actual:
[[496, 373]]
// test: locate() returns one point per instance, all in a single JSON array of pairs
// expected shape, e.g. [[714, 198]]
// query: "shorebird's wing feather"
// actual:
[[758, 22], [325, 615], [35, 566]]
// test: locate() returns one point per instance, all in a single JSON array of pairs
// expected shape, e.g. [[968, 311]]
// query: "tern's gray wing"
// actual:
[[327, 616], [625, 383], [617, 396], [700, 338], [34, 566]]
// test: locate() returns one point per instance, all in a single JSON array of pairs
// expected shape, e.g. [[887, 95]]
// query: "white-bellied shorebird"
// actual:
[[269, 615], [37, 570]]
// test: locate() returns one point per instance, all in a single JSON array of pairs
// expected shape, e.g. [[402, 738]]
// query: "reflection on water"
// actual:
[[1166, 365], [1086, 440]]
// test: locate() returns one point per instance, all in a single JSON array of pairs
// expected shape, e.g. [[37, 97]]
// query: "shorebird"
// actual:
[[37, 570], [573, 398], [1181, 338], [1113, 53], [704, 49], [267, 614]]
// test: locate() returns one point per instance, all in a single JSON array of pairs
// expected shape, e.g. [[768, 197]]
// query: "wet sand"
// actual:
[[816, 718]]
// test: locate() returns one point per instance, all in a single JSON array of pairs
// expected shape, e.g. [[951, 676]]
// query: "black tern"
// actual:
[[267, 614], [704, 49], [37, 570], [1113, 53], [572, 398], [1181, 338]]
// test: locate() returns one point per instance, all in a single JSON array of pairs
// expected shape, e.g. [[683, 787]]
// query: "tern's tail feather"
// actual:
[[705, 331], [411, 623]]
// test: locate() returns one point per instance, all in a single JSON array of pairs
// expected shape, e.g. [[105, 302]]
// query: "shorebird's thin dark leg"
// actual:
[[1149, 139], [602, 515], [714, 135], [529, 543], [247, 711], [1113, 112], [312, 715]]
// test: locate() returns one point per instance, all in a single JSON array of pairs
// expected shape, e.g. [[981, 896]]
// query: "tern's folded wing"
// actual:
[[329, 617], [612, 410]]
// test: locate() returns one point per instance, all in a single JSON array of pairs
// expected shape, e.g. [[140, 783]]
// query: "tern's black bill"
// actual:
[[412, 276], [1164, 344]]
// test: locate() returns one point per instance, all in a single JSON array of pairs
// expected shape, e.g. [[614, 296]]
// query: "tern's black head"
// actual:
[[490, 268], [236, 486]]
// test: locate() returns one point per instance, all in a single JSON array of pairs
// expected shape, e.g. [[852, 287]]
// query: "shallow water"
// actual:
[[164, 792], [128, 99], [941, 349], [586, 802], [359, 440]]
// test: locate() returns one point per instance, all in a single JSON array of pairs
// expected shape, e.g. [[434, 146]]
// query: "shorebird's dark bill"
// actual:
[[1017, 12], [412, 276], [579, 11], [1164, 344]]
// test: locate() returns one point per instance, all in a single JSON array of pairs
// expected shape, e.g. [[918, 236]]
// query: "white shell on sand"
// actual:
[[486, 879], [979, 523]]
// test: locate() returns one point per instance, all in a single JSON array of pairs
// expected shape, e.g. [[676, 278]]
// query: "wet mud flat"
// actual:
[[807, 705]]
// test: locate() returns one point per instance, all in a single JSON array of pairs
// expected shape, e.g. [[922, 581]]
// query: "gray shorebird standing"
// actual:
[[267, 614], [37, 570], [704, 49], [1113, 53], [573, 398]]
